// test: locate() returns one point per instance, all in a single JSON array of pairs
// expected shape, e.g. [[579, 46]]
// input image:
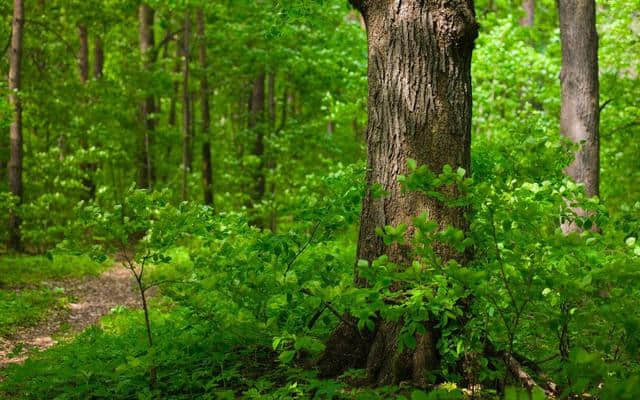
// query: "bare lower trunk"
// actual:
[[580, 114], [147, 43], [419, 107], [256, 124], [207, 170], [15, 151], [83, 53], [528, 7], [83, 67], [186, 107], [98, 57]]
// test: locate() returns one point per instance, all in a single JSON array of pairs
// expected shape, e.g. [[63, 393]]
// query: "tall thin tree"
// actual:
[[147, 43], [186, 107], [580, 112], [15, 131], [207, 169], [529, 8], [257, 125], [83, 53], [98, 57]]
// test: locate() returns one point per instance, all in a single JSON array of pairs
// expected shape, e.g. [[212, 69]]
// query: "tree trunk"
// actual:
[[580, 114], [186, 108], [529, 7], [15, 152], [83, 54], [98, 55], [419, 107], [83, 68], [256, 124], [207, 170], [147, 43]]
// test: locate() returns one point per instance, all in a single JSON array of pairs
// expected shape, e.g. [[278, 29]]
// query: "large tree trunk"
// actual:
[[186, 107], [419, 107], [207, 170], [580, 114], [256, 124], [15, 152], [147, 43]]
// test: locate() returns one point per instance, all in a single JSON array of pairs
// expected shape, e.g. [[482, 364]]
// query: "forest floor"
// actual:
[[90, 297]]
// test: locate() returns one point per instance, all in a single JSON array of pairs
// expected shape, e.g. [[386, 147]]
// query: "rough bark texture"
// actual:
[[207, 169], [528, 7], [186, 108], [147, 43], [98, 57], [580, 114], [419, 107], [15, 131], [256, 123]]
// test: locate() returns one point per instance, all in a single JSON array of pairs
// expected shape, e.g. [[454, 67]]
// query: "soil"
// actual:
[[92, 297]]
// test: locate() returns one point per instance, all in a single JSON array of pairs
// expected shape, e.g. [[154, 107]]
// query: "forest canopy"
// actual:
[[322, 199]]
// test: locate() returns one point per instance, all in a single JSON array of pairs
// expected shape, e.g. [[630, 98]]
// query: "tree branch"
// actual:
[[302, 249]]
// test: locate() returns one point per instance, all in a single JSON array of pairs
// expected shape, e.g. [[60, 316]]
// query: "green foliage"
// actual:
[[18, 271], [243, 312], [27, 307]]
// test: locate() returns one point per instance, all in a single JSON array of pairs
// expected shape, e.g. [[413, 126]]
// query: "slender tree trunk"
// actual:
[[271, 162], [98, 57], [271, 86], [186, 107], [15, 151], [207, 170], [580, 114], [83, 68], [529, 7], [419, 107], [83, 53], [256, 124], [147, 43], [176, 85]]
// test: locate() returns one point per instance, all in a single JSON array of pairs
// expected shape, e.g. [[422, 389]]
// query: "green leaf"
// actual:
[[287, 356]]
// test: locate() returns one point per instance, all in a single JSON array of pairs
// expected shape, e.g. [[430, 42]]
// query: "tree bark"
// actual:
[[186, 107], [529, 7], [147, 43], [83, 68], [256, 124], [419, 107], [83, 53], [15, 131], [207, 169], [580, 114], [98, 55]]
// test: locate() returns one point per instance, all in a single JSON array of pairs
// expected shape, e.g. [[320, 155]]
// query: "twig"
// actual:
[[302, 249], [333, 310], [316, 315], [603, 105]]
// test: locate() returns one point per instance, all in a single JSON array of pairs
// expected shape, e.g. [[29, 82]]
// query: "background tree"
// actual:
[[15, 161], [580, 113], [147, 50]]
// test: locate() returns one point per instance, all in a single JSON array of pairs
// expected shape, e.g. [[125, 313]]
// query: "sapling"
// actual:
[[140, 231]]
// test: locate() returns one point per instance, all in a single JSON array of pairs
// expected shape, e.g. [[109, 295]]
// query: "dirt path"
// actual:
[[93, 297]]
